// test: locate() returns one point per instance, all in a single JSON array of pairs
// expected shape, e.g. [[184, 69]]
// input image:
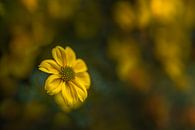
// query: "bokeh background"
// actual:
[[140, 55]]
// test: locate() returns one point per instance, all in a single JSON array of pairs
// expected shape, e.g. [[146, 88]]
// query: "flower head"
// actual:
[[69, 79]]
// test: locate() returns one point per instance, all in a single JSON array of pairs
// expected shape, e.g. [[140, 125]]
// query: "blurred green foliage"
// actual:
[[140, 55]]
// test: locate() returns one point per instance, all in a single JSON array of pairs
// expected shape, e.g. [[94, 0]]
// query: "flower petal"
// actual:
[[67, 108], [69, 95], [83, 78], [60, 101], [80, 90], [59, 55], [53, 84], [49, 66], [56, 90], [70, 56], [79, 66]]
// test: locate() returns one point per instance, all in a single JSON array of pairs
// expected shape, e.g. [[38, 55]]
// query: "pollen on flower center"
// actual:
[[67, 74]]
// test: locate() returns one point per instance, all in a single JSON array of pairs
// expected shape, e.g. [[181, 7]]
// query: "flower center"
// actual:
[[67, 74]]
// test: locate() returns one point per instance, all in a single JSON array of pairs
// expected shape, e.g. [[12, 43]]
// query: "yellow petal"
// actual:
[[60, 101], [77, 104], [67, 108], [69, 95], [70, 56], [59, 55], [79, 66], [53, 84], [56, 90], [80, 90], [49, 66], [83, 78]]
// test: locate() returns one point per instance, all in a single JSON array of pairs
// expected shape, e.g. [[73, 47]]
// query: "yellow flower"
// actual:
[[69, 79]]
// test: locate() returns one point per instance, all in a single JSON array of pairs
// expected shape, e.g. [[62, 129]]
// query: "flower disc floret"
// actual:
[[67, 74]]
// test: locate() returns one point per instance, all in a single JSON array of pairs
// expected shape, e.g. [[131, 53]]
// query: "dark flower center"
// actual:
[[67, 74]]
